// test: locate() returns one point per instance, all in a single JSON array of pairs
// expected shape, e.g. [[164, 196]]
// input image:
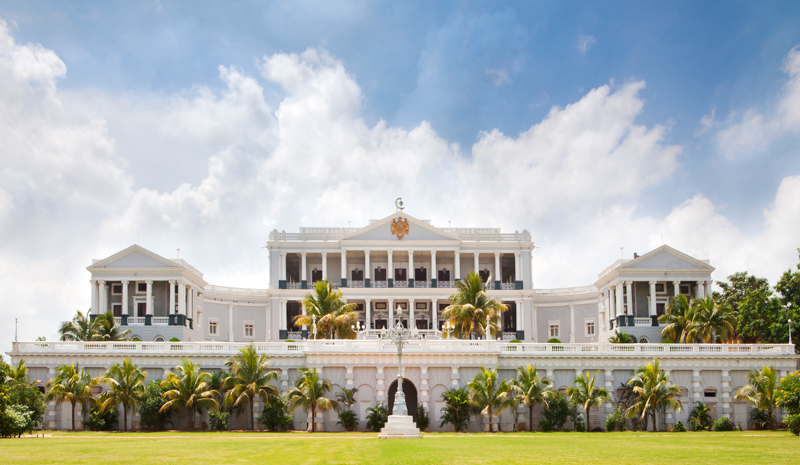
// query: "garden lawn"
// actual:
[[439, 448]]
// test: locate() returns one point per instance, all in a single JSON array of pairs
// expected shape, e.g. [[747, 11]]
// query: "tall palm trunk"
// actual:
[[124, 418], [191, 419], [587, 420], [73, 415], [313, 419], [252, 416], [530, 418], [654, 419]]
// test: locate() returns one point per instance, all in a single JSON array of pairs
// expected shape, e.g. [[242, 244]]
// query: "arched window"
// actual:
[[710, 393], [643, 340], [159, 339]]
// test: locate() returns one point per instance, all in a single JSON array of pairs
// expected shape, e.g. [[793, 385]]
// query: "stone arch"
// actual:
[[435, 406], [411, 396]]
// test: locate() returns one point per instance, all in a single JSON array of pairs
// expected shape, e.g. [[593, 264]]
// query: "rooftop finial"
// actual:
[[399, 204]]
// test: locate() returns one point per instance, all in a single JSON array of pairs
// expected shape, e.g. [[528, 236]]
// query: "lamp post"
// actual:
[[448, 329], [400, 337], [790, 332]]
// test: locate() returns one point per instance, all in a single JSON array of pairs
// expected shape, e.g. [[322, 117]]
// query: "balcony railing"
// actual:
[[380, 284], [444, 284], [293, 285], [642, 321], [422, 284], [355, 284], [401, 283], [425, 345]]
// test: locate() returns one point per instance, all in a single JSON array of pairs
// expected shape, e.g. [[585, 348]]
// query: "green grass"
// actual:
[[438, 448]]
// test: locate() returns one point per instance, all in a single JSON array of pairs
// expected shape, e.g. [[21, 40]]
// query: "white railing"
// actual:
[[425, 345], [401, 283], [140, 321], [509, 336], [160, 320], [293, 285], [235, 290], [335, 234], [642, 322], [355, 284], [566, 290], [508, 286], [422, 284], [189, 267], [380, 284], [445, 284], [614, 266]]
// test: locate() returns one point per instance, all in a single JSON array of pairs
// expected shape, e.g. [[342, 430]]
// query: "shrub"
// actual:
[[29, 396], [556, 414], [174, 339], [722, 424], [101, 420], [679, 428], [700, 419], [288, 340], [667, 341], [457, 408], [136, 339], [376, 417], [348, 420], [616, 420], [275, 415], [793, 423], [514, 341], [17, 420], [218, 421], [580, 424], [554, 341], [422, 419], [760, 419], [152, 401], [787, 396]]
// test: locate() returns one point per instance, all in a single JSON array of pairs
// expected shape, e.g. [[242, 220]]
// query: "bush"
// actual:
[[793, 423], [152, 401], [218, 421], [377, 417], [554, 341], [787, 396], [556, 414], [17, 420], [722, 424], [457, 408], [700, 419], [514, 341], [422, 419], [679, 428], [348, 420], [174, 339], [580, 424], [31, 398], [616, 420], [275, 415], [288, 340], [761, 419], [101, 420]]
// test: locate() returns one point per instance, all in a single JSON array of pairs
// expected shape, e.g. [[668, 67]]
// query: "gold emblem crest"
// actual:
[[400, 228]]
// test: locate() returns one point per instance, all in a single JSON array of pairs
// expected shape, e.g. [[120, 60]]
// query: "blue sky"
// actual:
[[203, 125]]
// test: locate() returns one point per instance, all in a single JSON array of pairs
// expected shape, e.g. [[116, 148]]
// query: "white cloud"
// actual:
[[290, 148], [585, 43], [499, 76], [706, 123]]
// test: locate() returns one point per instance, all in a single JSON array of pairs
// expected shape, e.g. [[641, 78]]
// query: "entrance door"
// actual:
[[420, 274], [400, 275], [380, 274], [141, 309]]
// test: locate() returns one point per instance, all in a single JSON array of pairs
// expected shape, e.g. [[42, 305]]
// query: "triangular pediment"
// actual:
[[417, 230], [665, 257], [134, 257]]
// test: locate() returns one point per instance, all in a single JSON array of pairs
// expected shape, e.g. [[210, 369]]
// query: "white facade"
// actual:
[[382, 271]]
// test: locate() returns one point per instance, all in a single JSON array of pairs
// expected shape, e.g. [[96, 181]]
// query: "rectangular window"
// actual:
[[380, 274], [249, 328], [421, 305], [660, 309], [212, 328], [589, 331], [554, 333], [117, 309], [420, 274], [141, 287], [660, 287], [444, 275], [116, 289], [316, 275], [400, 274], [357, 275], [685, 289], [380, 305]]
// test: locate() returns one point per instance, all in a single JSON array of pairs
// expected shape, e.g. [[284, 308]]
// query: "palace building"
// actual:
[[403, 269]]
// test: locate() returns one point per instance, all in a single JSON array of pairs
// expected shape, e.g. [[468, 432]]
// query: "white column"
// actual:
[[497, 273], [390, 323], [629, 288], [149, 303], [434, 273], [367, 267], [697, 392], [458, 266], [726, 393], [518, 266], [230, 322], [268, 319], [282, 271], [303, 271], [435, 313], [477, 256], [282, 316], [125, 307], [171, 302], [303, 307], [534, 323], [619, 300], [181, 298], [95, 303], [344, 264], [520, 322], [412, 323], [699, 290], [410, 264], [103, 297], [390, 271], [601, 314], [676, 285], [571, 323], [324, 265], [609, 385], [652, 298], [707, 288], [368, 313]]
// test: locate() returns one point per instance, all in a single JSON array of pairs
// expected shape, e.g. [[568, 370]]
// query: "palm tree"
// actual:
[[108, 329], [125, 386], [472, 308], [347, 397], [678, 317], [309, 393], [250, 377], [71, 384], [19, 374], [622, 338], [760, 391], [80, 328], [189, 389], [710, 320], [331, 314], [585, 392], [653, 391], [532, 390], [489, 395]]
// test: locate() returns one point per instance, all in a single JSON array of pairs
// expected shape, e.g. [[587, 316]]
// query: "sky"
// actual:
[[603, 128]]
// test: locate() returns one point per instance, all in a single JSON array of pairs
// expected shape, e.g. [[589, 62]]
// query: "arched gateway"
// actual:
[[411, 396]]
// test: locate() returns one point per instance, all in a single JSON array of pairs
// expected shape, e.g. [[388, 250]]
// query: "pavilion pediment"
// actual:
[[666, 257], [400, 227], [134, 257]]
